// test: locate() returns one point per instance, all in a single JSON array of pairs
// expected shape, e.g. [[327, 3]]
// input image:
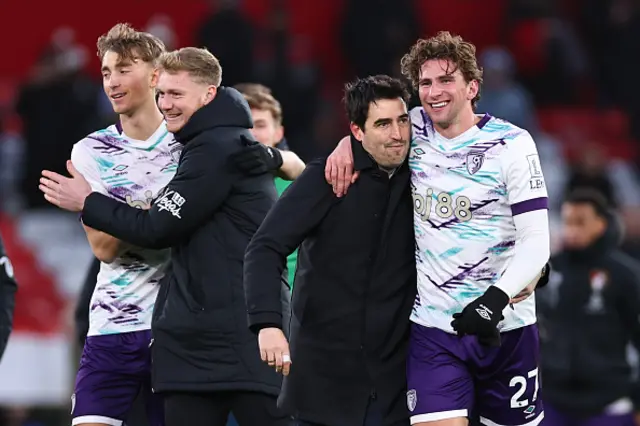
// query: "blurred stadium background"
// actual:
[[566, 70]]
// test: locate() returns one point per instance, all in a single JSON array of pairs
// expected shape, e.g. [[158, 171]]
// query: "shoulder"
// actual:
[[315, 170], [92, 146], [223, 141], [626, 264], [514, 137]]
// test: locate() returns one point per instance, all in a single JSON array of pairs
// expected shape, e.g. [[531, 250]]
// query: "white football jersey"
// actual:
[[133, 172], [466, 192]]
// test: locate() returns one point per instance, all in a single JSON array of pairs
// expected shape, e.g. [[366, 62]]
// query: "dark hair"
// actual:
[[359, 94], [593, 198]]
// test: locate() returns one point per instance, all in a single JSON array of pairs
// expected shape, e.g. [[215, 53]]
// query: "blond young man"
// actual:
[[206, 361]]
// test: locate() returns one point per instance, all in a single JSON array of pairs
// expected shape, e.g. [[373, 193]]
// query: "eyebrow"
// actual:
[[388, 120], [440, 77], [121, 64]]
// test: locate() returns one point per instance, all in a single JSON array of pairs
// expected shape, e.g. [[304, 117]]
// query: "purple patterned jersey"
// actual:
[[133, 172], [466, 191]]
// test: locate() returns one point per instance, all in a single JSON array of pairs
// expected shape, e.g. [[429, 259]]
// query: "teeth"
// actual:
[[439, 104], [118, 96]]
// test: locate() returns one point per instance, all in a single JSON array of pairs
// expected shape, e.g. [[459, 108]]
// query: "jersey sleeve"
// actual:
[[522, 174], [87, 165]]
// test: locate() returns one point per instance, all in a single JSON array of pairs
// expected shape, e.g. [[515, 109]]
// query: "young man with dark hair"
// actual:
[[355, 283]]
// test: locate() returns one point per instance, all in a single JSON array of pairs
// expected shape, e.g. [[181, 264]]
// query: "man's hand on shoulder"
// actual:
[[339, 168], [255, 158]]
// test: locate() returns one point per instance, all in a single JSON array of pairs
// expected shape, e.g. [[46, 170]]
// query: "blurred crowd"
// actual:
[[564, 70]]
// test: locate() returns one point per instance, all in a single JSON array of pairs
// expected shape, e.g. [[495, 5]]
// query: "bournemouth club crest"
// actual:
[[474, 162]]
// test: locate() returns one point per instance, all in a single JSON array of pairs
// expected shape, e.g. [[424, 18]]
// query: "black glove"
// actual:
[[481, 317], [544, 278], [256, 159]]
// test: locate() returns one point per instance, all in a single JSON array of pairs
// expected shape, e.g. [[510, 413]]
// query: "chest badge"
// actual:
[[474, 162]]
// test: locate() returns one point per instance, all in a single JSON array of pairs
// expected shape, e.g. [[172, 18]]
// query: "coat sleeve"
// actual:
[[628, 303], [294, 216], [8, 287], [202, 183]]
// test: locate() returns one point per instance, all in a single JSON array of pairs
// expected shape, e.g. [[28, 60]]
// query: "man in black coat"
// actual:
[[588, 316], [355, 282], [205, 360], [8, 287]]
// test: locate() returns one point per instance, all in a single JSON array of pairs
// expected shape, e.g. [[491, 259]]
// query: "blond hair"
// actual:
[[201, 65], [259, 97], [446, 46], [130, 44]]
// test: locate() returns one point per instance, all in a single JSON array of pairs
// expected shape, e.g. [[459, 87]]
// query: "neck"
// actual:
[[143, 122], [465, 120]]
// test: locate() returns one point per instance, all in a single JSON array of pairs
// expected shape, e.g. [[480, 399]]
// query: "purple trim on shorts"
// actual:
[[533, 204], [484, 120]]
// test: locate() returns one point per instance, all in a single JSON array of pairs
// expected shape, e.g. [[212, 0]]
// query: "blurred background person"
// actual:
[[589, 315]]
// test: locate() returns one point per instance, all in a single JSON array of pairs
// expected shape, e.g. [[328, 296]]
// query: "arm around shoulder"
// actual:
[[292, 166]]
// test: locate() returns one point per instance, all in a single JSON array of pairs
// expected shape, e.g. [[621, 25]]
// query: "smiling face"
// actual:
[[128, 83], [180, 96], [386, 133], [444, 93]]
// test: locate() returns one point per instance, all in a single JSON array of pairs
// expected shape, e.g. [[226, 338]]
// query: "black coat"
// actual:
[[8, 287], [207, 215], [588, 315], [355, 286]]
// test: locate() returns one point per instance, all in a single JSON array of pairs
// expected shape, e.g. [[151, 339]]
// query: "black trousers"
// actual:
[[213, 409], [373, 417]]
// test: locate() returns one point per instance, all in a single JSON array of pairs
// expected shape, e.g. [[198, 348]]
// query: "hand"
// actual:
[[339, 168], [66, 193], [524, 294], [256, 159], [481, 317], [274, 349], [539, 281]]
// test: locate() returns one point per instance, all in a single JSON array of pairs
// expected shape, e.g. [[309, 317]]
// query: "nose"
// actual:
[[435, 90], [113, 81], [164, 104], [395, 132]]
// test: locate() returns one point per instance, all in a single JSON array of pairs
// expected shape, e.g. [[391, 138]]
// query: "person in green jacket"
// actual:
[[268, 130]]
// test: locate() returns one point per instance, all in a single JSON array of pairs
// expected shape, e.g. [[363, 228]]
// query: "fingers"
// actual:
[[52, 200], [278, 359], [286, 364], [53, 176], [278, 356], [50, 190], [271, 358], [327, 170], [333, 178], [339, 185], [355, 176], [72, 170]]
